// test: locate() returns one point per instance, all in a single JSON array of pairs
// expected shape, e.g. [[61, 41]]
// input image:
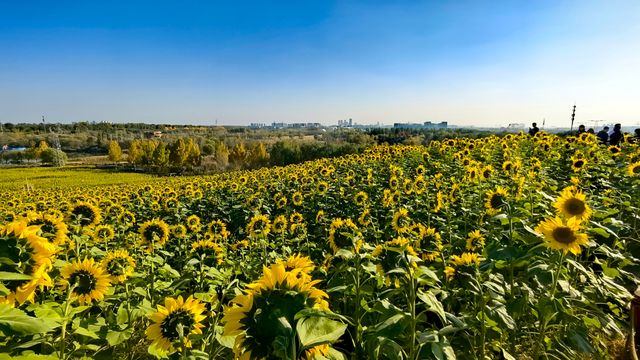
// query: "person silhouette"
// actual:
[[616, 137], [603, 135], [533, 130], [581, 130]]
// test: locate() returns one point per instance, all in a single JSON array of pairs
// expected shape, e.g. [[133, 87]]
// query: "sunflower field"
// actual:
[[510, 247]]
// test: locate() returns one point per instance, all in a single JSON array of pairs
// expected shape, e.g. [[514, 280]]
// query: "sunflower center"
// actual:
[[497, 201], [84, 213], [84, 281], [578, 163], [180, 318], [575, 206], [564, 235], [636, 169], [153, 232]]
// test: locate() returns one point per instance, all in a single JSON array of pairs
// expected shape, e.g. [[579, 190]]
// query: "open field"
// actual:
[[41, 178], [513, 247]]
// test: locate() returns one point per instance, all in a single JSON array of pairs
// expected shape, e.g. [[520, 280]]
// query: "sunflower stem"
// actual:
[[481, 311], [65, 321], [357, 310]]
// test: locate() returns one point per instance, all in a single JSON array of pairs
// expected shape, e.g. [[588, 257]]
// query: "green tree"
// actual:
[[179, 153], [193, 153], [161, 155], [115, 152], [53, 156]]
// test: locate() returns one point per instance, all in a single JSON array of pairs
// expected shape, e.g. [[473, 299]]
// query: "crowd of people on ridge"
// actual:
[[606, 136]]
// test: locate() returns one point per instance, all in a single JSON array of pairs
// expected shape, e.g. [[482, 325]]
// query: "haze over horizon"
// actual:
[[468, 63]]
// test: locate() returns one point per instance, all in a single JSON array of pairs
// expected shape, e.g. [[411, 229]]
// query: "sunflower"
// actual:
[[578, 163], [179, 231], [86, 214], [260, 225], [401, 222], [303, 263], [218, 229], [267, 310], [365, 218], [296, 218], [297, 198], [322, 187], [52, 227], [320, 216], [193, 223], [344, 234], [88, 279], [102, 233], [572, 204], [439, 203], [28, 254], [634, 169], [361, 198], [475, 241], [208, 252], [119, 265], [465, 263], [279, 225], [419, 184], [430, 244], [392, 255], [127, 217], [496, 200], [507, 166], [175, 322], [614, 150], [154, 233], [563, 236]]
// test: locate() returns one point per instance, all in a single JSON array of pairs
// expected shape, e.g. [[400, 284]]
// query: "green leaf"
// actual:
[[117, 337], [315, 331], [86, 332], [432, 303], [16, 321], [14, 276], [391, 326]]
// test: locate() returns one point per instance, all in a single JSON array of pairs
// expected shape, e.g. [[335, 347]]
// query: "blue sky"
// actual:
[[485, 63]]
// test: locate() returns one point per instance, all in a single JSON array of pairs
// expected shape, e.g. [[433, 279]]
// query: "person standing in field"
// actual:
[[617, 136], [533, 130], [636, 137], [581, 130], [603, 135]]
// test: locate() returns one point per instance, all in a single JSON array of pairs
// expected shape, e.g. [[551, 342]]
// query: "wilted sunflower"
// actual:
[[634, 169], [260, 225], [401, 222], [88, 279], [572, 204], [154, 233], [475, 241], [208, 252], [86, 214], [393, 255], [496, 199], [175, 321], [193, 223], [28, 254], [267, 310], [119, 265], [563, 236], [344, 234], [102, 233]]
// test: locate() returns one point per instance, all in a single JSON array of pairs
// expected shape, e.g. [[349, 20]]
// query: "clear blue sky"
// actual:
[[466, 62]]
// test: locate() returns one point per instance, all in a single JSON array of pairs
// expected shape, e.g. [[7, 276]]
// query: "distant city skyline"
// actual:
[[469, 63]]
